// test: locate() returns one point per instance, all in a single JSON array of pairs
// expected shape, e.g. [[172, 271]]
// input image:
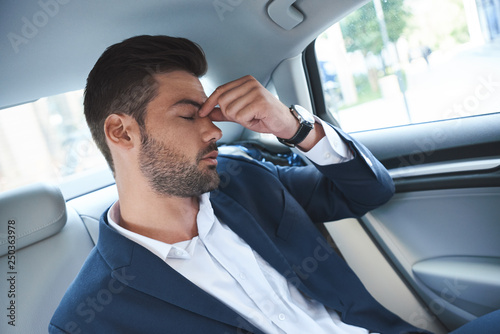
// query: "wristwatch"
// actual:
[[306, 121]]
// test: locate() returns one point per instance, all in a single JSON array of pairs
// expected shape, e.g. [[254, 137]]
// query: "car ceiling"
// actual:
[[49, 46]]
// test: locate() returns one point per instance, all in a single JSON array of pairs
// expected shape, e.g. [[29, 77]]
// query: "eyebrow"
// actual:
[[188, 102]]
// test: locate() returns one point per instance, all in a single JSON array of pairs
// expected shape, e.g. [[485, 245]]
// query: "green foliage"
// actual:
[[428, 26], [459, 29], [361, 29]]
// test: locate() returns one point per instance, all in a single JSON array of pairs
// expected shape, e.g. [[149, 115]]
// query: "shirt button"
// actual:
[[281, 316], [178, 252], [243, 276], [327, 155]]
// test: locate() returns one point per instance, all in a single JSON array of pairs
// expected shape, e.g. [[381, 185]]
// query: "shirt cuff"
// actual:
[[331, 149]]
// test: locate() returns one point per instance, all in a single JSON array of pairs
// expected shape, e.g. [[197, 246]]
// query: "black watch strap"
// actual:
[[305, 127]]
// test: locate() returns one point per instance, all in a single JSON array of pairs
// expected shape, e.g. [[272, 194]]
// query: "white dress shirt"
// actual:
[[222, 264]]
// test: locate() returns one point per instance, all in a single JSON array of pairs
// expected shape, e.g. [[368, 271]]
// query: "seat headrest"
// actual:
[[31, 213]]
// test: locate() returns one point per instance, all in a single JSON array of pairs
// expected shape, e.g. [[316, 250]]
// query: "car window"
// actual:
[[398, 62], [46, 140]]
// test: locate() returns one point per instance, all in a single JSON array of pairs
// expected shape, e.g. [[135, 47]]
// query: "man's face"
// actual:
[[178, 149]]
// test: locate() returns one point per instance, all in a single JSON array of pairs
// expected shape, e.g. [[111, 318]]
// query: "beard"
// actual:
[[169, 172]]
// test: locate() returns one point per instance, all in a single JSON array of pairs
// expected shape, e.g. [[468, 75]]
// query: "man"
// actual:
[[181, 252]]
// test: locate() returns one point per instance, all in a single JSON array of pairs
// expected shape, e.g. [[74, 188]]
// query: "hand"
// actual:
[[245, 101]]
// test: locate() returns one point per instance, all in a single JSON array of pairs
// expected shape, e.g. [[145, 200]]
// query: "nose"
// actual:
[[210, 131]]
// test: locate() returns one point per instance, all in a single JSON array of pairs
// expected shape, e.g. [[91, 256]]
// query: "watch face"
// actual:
[[304, 113]]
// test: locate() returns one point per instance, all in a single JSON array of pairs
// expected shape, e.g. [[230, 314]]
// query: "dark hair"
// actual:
[[122, 80]]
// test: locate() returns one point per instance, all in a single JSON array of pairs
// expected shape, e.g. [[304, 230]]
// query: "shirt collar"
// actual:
[[160, 249], [180, 250]]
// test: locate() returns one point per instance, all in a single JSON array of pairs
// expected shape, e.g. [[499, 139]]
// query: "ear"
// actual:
[[121, 130]]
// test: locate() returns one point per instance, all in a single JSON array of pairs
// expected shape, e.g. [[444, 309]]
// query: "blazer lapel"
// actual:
[[241, 221], [137, 267]]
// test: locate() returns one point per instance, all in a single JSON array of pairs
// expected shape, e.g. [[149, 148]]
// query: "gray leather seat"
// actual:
[[50, 245], [52, 240]]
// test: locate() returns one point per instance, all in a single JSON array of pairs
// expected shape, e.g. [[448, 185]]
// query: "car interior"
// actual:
[[431, 255]]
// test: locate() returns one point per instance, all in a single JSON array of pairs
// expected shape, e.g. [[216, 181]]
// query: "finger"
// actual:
[[250, 117], [216, 115], [210, 103], [238, 108], [213, 99]]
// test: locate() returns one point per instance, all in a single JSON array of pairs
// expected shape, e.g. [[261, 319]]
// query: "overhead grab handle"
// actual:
[[284, 14]]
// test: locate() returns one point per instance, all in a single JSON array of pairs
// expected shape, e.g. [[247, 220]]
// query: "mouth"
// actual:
[[211, 157]]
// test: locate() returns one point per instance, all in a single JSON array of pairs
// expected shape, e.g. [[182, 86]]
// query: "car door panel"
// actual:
[[469, 282], [441, 231]]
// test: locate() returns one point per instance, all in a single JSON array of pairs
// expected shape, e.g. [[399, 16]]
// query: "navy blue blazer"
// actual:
[[124, 288]]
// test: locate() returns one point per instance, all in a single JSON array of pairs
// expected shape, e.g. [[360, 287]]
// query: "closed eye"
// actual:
[[189, 118]]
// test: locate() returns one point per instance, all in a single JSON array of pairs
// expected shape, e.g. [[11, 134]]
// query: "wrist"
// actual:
[[290, 129], [305, 121], [312, 138]]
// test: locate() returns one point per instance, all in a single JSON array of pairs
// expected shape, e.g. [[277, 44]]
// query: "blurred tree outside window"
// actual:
[[395, 62]]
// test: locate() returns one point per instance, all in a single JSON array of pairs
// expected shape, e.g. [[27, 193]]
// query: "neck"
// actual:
[[164, 218]]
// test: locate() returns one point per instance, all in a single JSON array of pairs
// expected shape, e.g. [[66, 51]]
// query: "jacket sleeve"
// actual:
[[343, 190]]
